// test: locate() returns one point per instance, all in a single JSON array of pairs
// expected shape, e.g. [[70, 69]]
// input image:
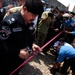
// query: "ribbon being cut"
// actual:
[[35, 53]]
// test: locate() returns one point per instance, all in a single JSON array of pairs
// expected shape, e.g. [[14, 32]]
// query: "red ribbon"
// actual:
[[35, 53]]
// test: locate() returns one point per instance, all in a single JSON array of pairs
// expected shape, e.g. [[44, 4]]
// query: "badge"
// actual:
[[4, 34], [10, 21], [18, 29]]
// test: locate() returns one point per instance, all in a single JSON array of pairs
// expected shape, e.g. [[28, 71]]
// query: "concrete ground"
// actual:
[[40, 65]]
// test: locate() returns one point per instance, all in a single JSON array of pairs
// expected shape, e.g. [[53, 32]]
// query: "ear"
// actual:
[[24, 9]]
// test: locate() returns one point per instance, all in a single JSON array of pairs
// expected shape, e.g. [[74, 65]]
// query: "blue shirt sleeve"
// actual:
[[61, 55], [73, 32]]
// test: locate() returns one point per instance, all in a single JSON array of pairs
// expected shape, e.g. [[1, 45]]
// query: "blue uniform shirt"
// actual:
[[73, 32], [65, 52], [68, 22], [73, 25]]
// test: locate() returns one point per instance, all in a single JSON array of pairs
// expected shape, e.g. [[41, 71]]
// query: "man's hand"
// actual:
[[23, 54], [68, 32], [35, 47], [56, 30]]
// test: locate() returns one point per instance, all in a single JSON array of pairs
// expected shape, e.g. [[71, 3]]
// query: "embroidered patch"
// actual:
[[11, 20], [18, 29], [4, 34]]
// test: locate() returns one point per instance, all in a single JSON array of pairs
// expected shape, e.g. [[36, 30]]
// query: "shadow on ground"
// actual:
[[39, 65]]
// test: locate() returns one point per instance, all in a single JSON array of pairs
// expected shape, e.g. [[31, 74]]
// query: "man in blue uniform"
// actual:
[[66, 54], [15, 36]]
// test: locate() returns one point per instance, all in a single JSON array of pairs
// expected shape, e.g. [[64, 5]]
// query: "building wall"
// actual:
[[56, 3], [73, 9]]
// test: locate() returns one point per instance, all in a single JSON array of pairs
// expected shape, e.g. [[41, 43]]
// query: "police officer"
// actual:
[[66, 54], [15, 36]]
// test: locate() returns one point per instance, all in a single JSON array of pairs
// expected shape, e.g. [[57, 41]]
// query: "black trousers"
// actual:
[[68, 63], [8, 65]]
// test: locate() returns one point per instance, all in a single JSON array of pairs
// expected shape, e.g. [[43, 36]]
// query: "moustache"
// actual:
[[32, 20]]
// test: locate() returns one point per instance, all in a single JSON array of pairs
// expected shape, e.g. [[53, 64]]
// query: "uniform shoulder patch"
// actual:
[[11, 20]]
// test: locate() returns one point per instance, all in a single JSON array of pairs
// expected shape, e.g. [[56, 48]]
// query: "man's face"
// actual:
[[57, 48], [0, 3], [28, 16]]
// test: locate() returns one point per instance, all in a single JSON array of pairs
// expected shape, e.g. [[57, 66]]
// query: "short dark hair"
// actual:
[[34, 6], [73, 13], [62, 39], [50, 14]]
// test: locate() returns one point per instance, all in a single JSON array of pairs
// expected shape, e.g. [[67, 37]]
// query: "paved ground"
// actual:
[[39, 65]]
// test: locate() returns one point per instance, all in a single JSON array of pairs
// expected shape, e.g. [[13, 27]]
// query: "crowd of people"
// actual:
[[29, 24], [60, 20]]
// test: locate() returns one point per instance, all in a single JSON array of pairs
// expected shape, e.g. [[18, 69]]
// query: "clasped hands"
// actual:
[[24, 54]]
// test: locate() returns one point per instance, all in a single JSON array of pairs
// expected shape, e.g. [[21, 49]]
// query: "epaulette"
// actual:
[[10, 20]]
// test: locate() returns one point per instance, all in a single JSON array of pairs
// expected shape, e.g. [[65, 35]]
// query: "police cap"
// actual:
[[34, 6]]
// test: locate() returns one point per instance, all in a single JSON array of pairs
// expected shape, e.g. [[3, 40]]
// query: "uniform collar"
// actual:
[[21, 18]]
